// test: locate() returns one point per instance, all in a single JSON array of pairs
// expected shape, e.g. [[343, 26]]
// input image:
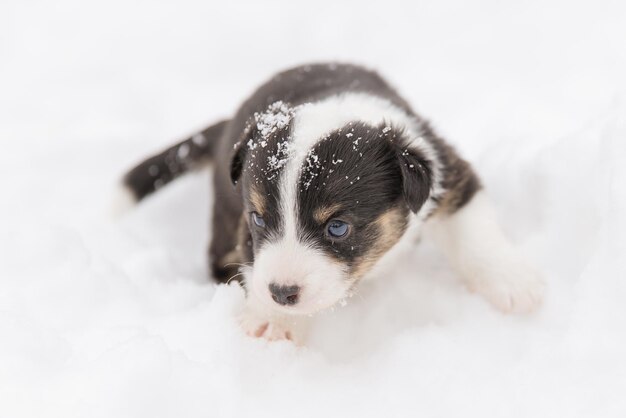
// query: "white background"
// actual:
[[117, 319]]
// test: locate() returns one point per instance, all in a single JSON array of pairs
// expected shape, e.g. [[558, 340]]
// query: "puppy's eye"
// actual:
[[257, 219], [337, 229]]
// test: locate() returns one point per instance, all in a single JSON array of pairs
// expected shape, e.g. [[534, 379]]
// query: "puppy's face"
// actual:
[[322, 211]]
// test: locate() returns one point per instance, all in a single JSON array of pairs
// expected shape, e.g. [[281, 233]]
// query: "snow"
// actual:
[[153, 170], [183, 151], [198, 139], [106, 318], [311, 169], [275, 162], [276, 117]]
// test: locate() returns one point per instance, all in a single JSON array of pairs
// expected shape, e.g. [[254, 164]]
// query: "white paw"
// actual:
[[511, 288], [271, 330]]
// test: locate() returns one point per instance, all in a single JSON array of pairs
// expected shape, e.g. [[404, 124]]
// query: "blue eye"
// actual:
[[338, 229], [258, 220]]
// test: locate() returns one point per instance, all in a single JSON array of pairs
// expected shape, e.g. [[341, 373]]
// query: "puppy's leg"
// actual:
[[224, 255], [231, 244], [477, 248], [260, 321]]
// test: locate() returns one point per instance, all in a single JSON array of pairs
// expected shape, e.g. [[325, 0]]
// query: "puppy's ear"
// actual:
[[417, 176], [239, 155], [236, 162]]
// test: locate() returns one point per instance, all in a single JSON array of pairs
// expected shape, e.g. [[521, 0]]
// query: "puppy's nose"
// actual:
[[284, 295]]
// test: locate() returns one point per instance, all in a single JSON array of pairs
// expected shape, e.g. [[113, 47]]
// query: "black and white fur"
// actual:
[[330, 143]]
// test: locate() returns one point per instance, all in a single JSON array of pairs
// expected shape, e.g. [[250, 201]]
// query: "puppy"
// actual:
[[320, 173]]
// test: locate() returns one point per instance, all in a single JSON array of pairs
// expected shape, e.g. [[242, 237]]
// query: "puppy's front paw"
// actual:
[[512, 287], [271, 330]]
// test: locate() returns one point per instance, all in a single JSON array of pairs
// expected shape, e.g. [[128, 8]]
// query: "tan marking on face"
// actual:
[[231, 258], [390, 227], [258, 201], [323, 213]]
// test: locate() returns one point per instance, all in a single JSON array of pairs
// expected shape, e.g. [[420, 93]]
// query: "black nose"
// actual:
[[284, 295]]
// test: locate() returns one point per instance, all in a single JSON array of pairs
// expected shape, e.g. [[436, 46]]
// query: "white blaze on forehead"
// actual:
[[312, 121]]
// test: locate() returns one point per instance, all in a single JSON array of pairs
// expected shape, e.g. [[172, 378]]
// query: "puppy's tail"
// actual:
[[160, 169]]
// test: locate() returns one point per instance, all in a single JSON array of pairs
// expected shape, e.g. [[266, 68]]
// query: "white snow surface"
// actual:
[[103, 318]]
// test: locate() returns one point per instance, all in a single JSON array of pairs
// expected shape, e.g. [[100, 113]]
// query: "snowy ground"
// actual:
[[116, 319]]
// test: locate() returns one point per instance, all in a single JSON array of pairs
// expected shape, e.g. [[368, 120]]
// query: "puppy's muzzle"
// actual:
[[285, 295]]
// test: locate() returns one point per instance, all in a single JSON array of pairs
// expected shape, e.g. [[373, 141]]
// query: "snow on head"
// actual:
[[277, 116], [275, 162], [311, 169]]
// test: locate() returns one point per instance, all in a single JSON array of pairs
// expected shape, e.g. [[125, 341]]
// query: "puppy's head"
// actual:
[[322, 209]]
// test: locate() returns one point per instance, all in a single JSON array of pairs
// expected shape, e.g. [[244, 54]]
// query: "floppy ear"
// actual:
[[416, 176], [236, 162], [239, 155]]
